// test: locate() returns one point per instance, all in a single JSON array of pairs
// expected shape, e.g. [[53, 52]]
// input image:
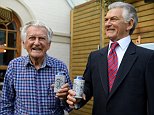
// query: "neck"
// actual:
[[37, 62]]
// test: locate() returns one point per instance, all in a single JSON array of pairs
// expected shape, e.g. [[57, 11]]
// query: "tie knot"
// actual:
[[114, 45]]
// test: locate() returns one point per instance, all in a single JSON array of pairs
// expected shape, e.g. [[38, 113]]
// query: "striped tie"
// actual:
[[112, 64]]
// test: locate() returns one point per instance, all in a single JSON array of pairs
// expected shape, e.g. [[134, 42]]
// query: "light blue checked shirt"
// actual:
[[27, 91]]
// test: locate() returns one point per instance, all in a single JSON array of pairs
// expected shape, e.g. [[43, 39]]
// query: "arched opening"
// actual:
[[10, 42]]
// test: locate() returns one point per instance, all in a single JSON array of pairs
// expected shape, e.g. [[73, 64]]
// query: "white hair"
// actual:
[[129, 13], [35, 23]]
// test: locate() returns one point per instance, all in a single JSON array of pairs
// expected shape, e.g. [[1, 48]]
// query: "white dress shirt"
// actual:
[[121, 48]]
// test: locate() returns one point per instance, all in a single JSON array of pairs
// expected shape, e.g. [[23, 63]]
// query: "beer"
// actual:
[[59, 81], [78, 87]]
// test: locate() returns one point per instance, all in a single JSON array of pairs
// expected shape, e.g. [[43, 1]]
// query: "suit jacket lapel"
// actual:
[[102, 66], [125, 66]]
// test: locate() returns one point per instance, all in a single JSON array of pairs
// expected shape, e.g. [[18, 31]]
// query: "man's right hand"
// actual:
[[71, 100]]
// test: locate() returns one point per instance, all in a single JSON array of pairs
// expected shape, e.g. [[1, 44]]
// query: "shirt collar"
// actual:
[[45, 62], [123, 43]]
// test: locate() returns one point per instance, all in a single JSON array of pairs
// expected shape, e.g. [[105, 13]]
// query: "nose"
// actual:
[[36, 42], [108, 22]]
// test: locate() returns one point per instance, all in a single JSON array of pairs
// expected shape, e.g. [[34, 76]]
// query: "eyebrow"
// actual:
[[112, 17], [37, 35]]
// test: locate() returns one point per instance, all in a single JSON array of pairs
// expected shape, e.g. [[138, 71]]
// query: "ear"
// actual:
[[23, 44], [130, 24], [49, 44]]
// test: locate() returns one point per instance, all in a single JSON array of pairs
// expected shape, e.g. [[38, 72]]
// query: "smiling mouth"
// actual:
[[110, 29], [36, 49]]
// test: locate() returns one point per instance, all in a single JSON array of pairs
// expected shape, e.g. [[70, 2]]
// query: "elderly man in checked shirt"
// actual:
[[28, 84]]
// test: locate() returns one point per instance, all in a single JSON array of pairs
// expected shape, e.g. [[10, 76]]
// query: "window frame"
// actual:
[[18, 39]]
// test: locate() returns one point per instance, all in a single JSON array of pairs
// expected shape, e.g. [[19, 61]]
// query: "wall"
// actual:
[[55, 12]]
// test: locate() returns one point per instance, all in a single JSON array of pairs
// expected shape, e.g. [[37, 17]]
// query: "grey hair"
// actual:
[[129, 13], [35, 23]]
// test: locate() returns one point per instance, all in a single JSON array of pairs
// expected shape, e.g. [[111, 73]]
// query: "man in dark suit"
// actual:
[[130, 91]]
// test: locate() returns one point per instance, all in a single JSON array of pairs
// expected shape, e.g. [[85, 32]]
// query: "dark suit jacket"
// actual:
[[133, 89]]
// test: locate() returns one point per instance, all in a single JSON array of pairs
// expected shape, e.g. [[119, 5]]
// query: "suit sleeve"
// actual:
[[150, 84], [88, 90]]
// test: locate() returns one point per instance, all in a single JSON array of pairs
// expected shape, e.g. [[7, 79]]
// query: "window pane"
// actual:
[[6, 57], [2, 26], [2, 74], [2, 37], [12, 39], [12, 26]]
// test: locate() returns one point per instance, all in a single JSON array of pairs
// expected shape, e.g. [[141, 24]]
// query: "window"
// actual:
[[10, 43]]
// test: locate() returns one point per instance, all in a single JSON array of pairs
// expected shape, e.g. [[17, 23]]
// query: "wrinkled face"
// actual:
[[115, 25], [36, 42]]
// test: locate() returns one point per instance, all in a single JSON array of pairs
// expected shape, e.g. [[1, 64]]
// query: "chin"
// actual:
[[36, 56]]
